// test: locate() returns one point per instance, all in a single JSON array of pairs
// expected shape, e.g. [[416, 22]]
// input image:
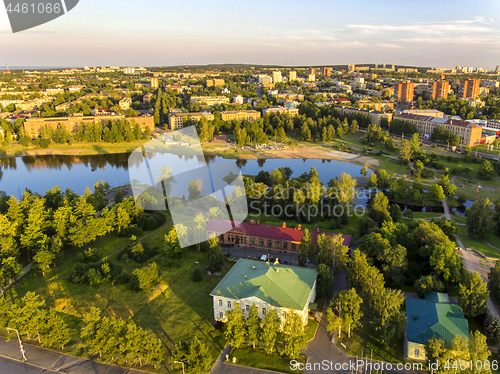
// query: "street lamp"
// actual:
[[21, 347], [182, 363]]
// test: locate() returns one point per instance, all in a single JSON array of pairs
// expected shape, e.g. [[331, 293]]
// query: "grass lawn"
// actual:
[[364, 342], [479, 245], [257, 358], [427, 215], [311, 328], [174, 309]]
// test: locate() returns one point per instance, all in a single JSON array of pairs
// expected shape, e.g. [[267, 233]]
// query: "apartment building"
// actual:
[[277, 77], [209, 100], [380, 106], [403, 92], [33, 126], [292, 112], [176, 119], [125, 103], [215, 82], [154, 83], [469, 88], [470, 133], [292, 76], [375, 116], [240, 115], [439, 89], [327, 72]]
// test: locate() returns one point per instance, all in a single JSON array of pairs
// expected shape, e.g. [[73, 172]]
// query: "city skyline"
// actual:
[[443, 34]]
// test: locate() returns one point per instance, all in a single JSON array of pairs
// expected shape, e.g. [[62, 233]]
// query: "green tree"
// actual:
[[215, 256], [428, 283], [415, 143], [479, 352], [473, 294], [294, 336], [235, 327], [44, 259], [306, 249], [325, 280], [379, 209], [172, 245], [305, 132], [387, 315], [56, 331], [494, 280], [346, 305], [147, 275], [194, 189], [486, 171], [270, 329], [405, 152], [436, 192], [448, 188], [480, 221], [446, 263], [253, 326]]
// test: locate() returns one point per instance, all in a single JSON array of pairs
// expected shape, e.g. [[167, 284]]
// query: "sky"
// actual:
[[431, 33]]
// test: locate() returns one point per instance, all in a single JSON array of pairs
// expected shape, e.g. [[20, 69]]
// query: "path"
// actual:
[[58, 362], [446, 209]]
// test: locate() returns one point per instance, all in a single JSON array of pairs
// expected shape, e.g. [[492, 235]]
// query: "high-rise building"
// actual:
[[393, 67], [293, 75], [376, 66], [154, 82], [312, 77], [439, 89], [277, 76], [312, 71], [403, 92], [469, 88], [215, 82], [351, 67], [327, 72], [497, 69]]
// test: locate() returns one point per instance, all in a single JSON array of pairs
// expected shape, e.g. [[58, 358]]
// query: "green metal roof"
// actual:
[[278, 285], [427, 320], [437, 297]]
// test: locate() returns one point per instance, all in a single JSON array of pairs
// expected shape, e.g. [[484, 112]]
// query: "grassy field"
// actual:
[[257, 358], [364, 342], [76, 148], [176, 308], [479, 245]]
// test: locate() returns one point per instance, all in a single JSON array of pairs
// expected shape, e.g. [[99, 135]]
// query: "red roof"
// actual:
[[272, 232]]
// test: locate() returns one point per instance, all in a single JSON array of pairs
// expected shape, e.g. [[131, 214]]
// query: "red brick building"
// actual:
[[253, 234]]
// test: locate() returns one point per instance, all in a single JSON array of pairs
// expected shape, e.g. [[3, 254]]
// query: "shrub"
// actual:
[[44, 143], [122, 278], [197, 276], [146, 275], [124, 257]]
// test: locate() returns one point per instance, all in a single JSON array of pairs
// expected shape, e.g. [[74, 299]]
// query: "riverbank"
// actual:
[[225, 150]]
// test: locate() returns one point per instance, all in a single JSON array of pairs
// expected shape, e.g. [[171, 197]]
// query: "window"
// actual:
[[229, 238], [285, 245], [253, 241], [264, 311], [229, 304], [247, 308], [221, 315], [277, 244], [294, 246], [261, 242], [269, 243], [245, 240], [417, 352], [220, 302]]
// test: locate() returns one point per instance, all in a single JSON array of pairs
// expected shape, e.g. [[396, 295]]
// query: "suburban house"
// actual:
[[269, 286], [253, 234], [432, 317]]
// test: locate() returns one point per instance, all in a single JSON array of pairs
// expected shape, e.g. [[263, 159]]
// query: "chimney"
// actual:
[[284, 225], [300, 226]]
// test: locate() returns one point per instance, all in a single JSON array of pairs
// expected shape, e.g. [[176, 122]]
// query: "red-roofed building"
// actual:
[[253, 234]]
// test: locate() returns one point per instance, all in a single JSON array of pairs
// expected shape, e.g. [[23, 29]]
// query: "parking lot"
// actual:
[[240, 251]]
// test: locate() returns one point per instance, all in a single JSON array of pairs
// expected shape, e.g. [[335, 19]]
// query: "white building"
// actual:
[[277, 76], [238, 99], [292, 76], [284, 288]]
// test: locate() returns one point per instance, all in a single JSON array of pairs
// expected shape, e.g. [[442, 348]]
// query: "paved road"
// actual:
[[11, 366]]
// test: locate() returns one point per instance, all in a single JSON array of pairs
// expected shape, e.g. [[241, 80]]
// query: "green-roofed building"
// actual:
[[281, 287], [433, 317]]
